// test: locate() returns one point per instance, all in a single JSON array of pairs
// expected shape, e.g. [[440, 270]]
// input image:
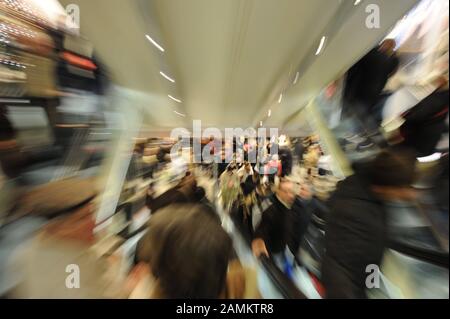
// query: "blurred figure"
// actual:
[[229, 186], [188, 253], [366, 80], [299, 150], [273, 234], [311, 158], [356, 228], [245, 172], [286, 160], [273, 168], [302, 210], [425, 123], [441, 185], [186, 191], [12, 159]]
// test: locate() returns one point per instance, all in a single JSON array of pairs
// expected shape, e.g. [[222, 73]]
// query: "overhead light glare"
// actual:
[[269, 113], [296, 77], [280, 98], [168, 78], [173, 98], [149, 38], [321, 45], [180, 114], [356, 2]]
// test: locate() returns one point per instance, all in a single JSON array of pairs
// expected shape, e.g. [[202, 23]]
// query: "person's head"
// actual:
[[392, 173], [188, 252], [139, 149], [305, 191], [199, 194], [285, 191], [388, 46]]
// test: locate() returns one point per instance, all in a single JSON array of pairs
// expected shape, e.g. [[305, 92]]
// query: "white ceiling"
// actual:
[[230, 58]]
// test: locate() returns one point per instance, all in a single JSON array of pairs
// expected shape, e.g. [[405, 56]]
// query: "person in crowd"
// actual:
[[136, 167], [246, 177], [273, 168], [302, 210], [272, 235], [190, 256], [355, 234], [425, 123], [286, 161], [12, 157], [229, 185], [299, 150], [366, 80], [312, 156], [186, 191], [201, 198]]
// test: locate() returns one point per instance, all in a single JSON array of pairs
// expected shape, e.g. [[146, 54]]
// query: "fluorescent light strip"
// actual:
[[173, 98], [180, 114], [269, 113], [356, 2], [260, 123], [321, 44], [280, 98], [160, 48], [168, 78], [297, 75]]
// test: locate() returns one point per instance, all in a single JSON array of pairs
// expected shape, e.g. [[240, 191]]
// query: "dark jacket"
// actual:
[[354, 238], [425, 123], [285, 155], [301, 218], [367, 78], [275, 227]]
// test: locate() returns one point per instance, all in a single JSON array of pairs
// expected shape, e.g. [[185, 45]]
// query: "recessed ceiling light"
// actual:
[[280, 98], [321, 45], [173, 98], [180, 114], [297, 75], [168, 78], [149, 38], [269, 113]]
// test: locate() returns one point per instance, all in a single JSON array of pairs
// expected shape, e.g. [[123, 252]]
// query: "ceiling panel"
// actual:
[[230, 58]]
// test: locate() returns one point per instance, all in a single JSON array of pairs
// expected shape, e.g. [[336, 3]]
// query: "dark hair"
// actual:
[[393, 167], [189, 252], [199, 193]]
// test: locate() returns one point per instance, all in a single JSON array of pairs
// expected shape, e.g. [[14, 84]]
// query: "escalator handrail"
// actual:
[[285, 285], [434, 257]]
